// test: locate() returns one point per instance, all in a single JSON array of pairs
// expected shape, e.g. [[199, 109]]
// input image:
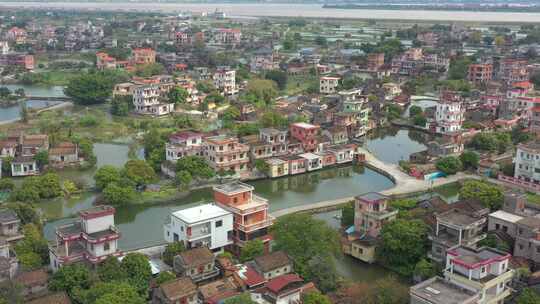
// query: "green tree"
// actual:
[[321, 270], [272, 119], [164, 277], [6, 165], [321, 41], [490, 195], [196, 166], [6, 184], [139, 172], [415, 110], [387, 291], [459, 68], [172, 250], [347, 214], [184, 179], [280, 77], [528, 296], [25, 115], [138, 271], [109, 293], [244, 298], [149, 70], [403, 204], [91, 88], [11, 292], [251, 250], [403, 244], [121, 104], [69, 278], [262, 166], [425, 269], [106, 175], [303, 238], [315, 298], [469, 159], [262, 90], [118, 195], [420, 121], [449, 165], [26, 212], [110, 270], [33, 250], [232, 113], [178, 95], [49, 186], [27, 193]]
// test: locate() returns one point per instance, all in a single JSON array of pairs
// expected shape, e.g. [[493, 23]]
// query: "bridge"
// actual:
[[404, 185]]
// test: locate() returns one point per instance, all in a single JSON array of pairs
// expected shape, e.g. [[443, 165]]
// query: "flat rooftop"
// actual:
[[439, 291], [371, 197], [472, 256], [233, 188], [457, 217], [310, 156], [505, 216], [305, 125], [200, 213]]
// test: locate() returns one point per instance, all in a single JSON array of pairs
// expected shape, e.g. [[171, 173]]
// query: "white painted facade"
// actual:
[[225, 81], [449, 116], [528, 163], [205, 225], [146, 100]]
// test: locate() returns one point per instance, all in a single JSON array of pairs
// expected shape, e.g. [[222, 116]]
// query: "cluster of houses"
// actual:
[[139, 57], [22, 149]]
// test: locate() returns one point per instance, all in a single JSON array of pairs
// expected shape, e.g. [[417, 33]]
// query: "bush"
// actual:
[[449, 165], [6, 184], [117, 195]]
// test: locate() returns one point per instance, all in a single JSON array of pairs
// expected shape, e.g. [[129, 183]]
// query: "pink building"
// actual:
[[306, 134], [228, 36], [90, 239], [371, 211]]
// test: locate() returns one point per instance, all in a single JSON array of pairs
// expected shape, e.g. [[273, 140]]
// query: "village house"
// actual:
[[449, 114], [470, 276], [283, 289], [456, 227], [227, 36], [336, 134], [181, 290], [371, 213], [297, 164], [199, 264], [251, 217], [313, 161], [143, 56], [147, 101], [513, 70], [64, 154], [262, 60], [277, 167], [17, 35], [306, 134], [273, 264], [480, 73], [23, 60], [90, 239], [217, 291], [328, 85], [24, 166], [34, 283], [225, 153], [375, 61], [10, 226], [182, 144], [225, 80], [201, 226]]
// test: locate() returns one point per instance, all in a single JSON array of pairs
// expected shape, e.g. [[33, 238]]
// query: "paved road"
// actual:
[[403, 184]]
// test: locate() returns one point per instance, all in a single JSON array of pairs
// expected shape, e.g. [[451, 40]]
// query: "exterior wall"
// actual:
[[527, 164], [24, 169], [498, 224], [527, 243], [297, 166], [449, 117], [363, 253], [99, 250], [278, 271], [328, 85], [98, 224]]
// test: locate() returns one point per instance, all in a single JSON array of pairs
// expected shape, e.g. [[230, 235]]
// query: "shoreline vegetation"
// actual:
[[430, 7]]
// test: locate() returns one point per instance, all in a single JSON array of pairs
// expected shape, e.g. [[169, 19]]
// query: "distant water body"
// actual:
[[287, 10]]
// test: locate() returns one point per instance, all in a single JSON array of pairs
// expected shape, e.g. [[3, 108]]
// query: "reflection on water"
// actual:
[[142, 225], [393, 144]]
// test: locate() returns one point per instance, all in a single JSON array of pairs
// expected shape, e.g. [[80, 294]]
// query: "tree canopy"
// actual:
[[449, 165], [490, 195], [94, 87]]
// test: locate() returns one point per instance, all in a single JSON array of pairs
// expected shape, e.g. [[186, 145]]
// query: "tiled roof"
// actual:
[[269, 262], [277, 284], [55, 298], [197, 256], [178, 288]]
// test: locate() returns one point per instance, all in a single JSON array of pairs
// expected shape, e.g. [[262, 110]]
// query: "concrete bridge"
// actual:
[[404, 185]]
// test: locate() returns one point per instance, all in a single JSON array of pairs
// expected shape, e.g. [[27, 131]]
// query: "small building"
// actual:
[[437, 290], [306, 134], [274, 264], [297, 164], [277, 167], [328, 85], [182, 144], [283, 289], [199, 264], [313, 161], [63, 154], [201, 226], [33, 283], [343, 153], [147, 101], [54, 298], [328, 158], [10, 225], [24, 166], [181, 290]]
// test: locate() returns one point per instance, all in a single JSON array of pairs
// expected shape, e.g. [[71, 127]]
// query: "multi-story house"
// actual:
[[182, 144], [90, 239], [480, 73], [375, 61], [187, 37], [9, 234], [25, 61], [449, 113], [147, 101], [262, 60], [251, 216], [328, 85], [456, 227], [17, 35], [306, 134], [527, 162], [227, 36], [143, 56], [225, 153], [513, 70], [471, 276], [181, 290], [199, 264], [371, 212], [202, 226], [225, 80]]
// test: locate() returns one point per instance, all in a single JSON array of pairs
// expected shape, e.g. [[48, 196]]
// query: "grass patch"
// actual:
[[299, 84], [533, 198], [448, 190]]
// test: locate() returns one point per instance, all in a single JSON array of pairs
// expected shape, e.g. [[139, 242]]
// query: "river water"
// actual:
[[284, 10]]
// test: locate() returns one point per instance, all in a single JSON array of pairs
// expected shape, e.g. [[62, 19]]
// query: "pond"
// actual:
[[392, 144], [142, 225], [34, 90], [11, 113]]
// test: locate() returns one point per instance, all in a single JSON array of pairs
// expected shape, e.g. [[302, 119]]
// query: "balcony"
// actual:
[[256, 226], [102, 236]]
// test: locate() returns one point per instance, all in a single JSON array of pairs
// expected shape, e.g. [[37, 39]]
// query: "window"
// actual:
[[106, 246], [219, 223]]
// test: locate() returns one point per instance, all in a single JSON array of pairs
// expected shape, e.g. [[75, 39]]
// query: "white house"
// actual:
[[313, 161], [146, 100], [328, 85], [206, 225], [449, 114]]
